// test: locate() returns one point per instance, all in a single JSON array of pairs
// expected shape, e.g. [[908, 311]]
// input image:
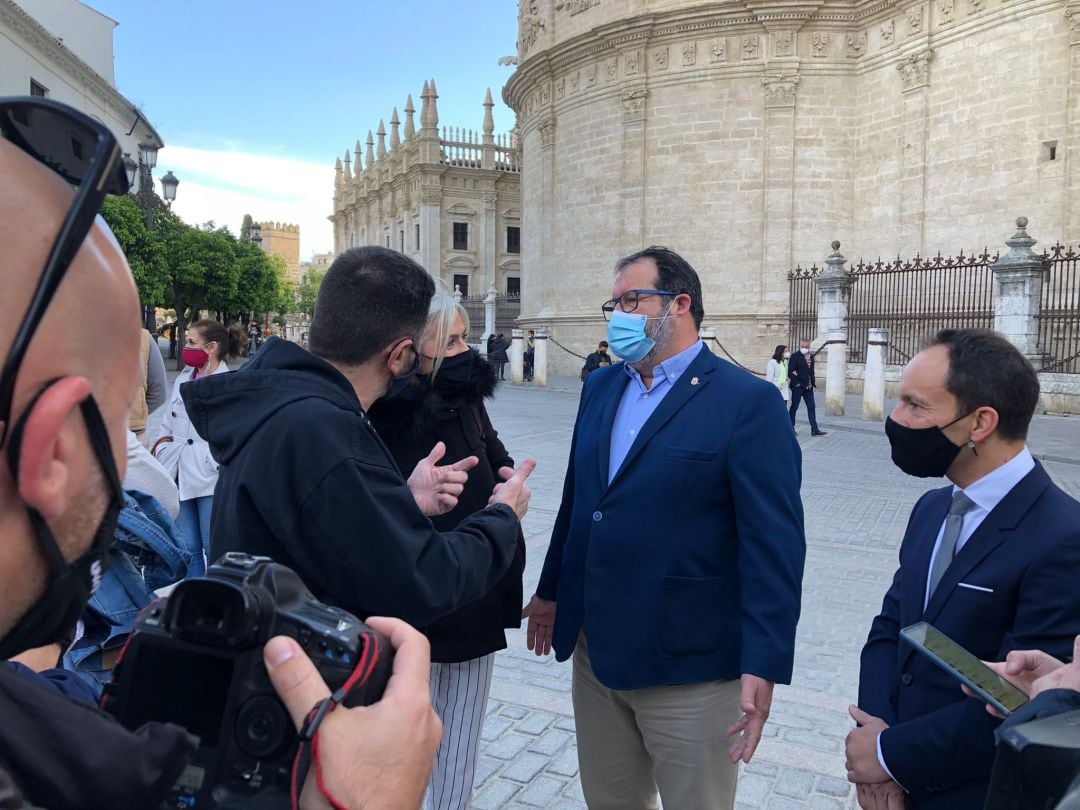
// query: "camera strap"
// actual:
[[308, 750]]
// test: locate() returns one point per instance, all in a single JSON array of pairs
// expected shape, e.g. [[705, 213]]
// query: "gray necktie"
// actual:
[[961, 505]]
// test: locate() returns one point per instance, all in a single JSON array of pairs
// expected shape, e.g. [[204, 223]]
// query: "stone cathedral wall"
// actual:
[[748, 136]]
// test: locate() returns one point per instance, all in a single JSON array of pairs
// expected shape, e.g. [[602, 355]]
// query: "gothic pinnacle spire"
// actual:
[[395, 137], [489, 119], [410, 128]]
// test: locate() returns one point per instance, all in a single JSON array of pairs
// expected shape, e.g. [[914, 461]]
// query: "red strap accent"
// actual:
[[369, 657]]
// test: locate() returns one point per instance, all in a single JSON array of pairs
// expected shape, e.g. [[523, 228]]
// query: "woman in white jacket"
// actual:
[[182, 451], [776, 371]]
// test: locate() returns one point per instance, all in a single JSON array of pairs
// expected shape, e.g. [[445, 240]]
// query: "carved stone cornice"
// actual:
[[13, 17], [1072, 20], [915, 70], [546, 128], [634, 105], [780, 90]]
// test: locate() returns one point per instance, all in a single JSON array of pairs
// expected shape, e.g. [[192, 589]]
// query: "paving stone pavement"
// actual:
[[856, 506]]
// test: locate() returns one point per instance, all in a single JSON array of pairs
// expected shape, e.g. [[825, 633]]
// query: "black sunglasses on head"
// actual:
[[86, 154]]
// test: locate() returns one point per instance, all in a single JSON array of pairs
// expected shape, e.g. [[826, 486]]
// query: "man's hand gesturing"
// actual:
[[513, 491], [436, 489]]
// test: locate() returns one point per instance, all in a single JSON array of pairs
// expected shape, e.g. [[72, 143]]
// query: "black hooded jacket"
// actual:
[[306, 481], [411, 423]]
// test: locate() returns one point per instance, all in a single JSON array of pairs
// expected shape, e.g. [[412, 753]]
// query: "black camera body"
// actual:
[[195, 659]]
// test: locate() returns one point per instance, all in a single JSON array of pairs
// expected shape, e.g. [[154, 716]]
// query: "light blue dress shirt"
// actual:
[[638, 402]]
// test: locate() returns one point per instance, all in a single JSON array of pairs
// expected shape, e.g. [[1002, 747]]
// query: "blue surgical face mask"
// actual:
[[626, 336]]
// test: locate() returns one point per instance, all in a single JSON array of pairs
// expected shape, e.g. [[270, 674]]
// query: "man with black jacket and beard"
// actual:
[[446, 404], [306, 480]]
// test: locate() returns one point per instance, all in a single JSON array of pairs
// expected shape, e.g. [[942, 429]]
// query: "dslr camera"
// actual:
[[195, 659]]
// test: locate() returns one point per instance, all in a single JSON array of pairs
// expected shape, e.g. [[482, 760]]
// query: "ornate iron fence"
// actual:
[[802, 304], [507, 310], [1059, 312], [914, 299]]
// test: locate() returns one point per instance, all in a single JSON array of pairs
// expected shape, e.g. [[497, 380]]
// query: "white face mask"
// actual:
[[805, 351], [787, 355]]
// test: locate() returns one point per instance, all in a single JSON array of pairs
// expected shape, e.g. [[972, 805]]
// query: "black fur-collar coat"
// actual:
[[410, 424]]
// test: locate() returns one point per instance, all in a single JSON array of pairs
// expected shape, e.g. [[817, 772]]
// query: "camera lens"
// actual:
[[263, 727]]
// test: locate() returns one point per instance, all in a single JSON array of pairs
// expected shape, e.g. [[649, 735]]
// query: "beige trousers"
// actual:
[[632, 742]]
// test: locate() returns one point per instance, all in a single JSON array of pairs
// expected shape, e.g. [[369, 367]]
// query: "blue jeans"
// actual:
[[194, 525]]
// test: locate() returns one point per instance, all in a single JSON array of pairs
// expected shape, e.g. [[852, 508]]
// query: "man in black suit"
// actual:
[[801, 374], [990, 561]]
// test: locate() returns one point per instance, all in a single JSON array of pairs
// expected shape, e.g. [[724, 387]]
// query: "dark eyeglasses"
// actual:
[[629, 300], [84, 153]]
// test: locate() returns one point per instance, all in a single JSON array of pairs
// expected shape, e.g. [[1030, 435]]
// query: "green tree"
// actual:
[[145, 250], [307, 292], [203, 269], [245, 228]]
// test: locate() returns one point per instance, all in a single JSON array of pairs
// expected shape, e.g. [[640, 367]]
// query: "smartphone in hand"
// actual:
[[965, 667]]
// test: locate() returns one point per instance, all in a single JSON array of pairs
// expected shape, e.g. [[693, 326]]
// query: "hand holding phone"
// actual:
[[965, 667]]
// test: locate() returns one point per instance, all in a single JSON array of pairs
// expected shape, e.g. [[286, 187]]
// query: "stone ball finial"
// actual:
[[836, 244], [1021, 222]]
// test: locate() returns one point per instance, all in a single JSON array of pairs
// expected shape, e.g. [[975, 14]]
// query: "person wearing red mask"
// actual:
[[183, 452]]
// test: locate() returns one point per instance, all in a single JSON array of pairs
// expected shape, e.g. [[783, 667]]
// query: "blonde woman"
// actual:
[[446, 404]]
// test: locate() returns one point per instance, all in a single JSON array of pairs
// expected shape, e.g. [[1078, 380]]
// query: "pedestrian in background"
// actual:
[[446, 404], [596, 360], [530, 355], [153, 387], [776, 371], [801, 377], [181, 450], [498, 357]]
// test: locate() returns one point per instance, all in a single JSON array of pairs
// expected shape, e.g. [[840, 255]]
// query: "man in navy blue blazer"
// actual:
[[991, 561], [676, 559]]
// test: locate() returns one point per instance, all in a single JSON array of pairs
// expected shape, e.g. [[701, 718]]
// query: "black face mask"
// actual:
[[922, 452], [70, 585], [397, 384], [455, 372]]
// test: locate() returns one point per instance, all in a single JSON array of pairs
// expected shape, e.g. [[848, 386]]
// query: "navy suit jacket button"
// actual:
[[597, 516], [906, 679]]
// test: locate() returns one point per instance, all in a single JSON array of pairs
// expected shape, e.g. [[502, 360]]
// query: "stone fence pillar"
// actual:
[[540, 353], [833, 293], [1018, 280], [517, 357], [489, 315], [873, 400], [836, 373]]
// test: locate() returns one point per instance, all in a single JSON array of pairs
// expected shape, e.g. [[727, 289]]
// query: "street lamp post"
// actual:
[[255, 235], [148, 201]]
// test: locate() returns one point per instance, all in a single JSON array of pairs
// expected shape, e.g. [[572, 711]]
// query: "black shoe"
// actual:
[[819, 433]]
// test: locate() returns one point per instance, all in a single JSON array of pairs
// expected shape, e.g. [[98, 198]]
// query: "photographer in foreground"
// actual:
[[63, 415]]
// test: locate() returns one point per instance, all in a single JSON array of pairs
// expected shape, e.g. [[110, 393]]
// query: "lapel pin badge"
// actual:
[[693, 380]]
